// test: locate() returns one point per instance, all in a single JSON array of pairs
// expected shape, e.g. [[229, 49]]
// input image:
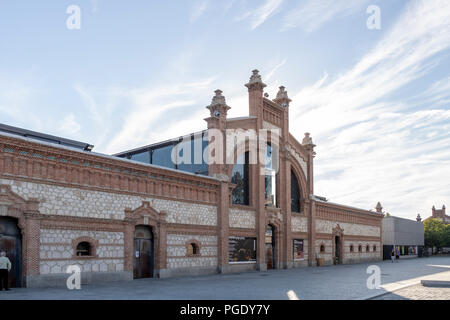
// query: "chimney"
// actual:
[[283, 100], [255, 94], [419, 218], [433, 212], [443, 210], [379, 208]]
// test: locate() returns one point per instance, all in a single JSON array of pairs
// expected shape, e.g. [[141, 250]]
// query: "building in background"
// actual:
[[137, 214], [439, 214], [406, 236]]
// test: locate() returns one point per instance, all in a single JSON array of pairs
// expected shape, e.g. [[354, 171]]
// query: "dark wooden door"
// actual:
[[10, 245], [269, 255], [143, 252], [270, 247], [143, 258]]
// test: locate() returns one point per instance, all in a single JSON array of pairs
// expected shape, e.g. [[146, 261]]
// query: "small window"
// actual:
[[84, 249], [374, 248], [352, 248], [322, 248], [360, 248], [367, 248], [193, 249]]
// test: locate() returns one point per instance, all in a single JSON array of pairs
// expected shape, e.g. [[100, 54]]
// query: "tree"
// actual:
[[437, 234]]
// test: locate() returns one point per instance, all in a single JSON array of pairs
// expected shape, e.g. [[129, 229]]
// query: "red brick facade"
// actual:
[[123, 194]]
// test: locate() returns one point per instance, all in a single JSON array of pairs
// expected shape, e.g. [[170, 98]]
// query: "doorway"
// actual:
[[337, 250], [11, 243], [143, 252], [270, 247]]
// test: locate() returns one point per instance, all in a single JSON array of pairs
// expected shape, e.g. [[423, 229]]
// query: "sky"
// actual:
[[376, 101]]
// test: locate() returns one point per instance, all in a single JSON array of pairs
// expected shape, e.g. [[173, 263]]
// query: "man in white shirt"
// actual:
[[5, 267]]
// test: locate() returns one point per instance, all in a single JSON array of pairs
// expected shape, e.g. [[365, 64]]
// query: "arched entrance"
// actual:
[[270, 247], [338, 244], [11, 242], [143, 252], [337, 250]]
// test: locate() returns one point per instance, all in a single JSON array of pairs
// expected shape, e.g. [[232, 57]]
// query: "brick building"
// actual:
[[439, 214], [137, 214]]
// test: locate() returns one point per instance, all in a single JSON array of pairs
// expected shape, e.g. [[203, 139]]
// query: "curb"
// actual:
[[435, 283]]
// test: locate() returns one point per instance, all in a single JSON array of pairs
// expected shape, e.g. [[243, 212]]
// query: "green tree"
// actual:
[[437, 234]]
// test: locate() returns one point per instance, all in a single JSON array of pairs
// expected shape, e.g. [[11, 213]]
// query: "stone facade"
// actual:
[[62, 197]]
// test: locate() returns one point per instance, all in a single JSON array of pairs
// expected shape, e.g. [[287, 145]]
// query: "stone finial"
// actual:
[[255, 81], [419, 218], [307, 140], [218, 105], [379, 208], [282, 97]]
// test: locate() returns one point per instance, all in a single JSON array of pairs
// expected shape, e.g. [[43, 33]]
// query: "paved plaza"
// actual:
[[343, 282]]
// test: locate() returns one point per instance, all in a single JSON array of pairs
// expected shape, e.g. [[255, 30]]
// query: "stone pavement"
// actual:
[[343, 282], [417, 292]]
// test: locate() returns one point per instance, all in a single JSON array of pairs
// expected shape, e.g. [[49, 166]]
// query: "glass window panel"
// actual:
[[240, 177], [295, 193], [298, 249], [242, 249], [163, 157], [141, 157]]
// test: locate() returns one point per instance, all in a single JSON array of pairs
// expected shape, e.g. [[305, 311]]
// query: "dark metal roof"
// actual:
[[45, 137]]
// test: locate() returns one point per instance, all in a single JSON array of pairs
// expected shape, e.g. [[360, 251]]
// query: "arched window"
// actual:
[[367, 248], [193, 248], [322, 248], [240, 177], [295, 193], [374, 248], [352, 248], [84, 249], [360, 248]]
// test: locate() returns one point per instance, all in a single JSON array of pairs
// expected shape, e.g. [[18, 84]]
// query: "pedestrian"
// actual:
[[392, 255], [5, 267], [397, 255]]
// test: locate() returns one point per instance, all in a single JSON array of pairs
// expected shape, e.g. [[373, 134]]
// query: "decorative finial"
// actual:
[[307, 140], [218, 104], [255, 81], [379, 208], [419, 218]]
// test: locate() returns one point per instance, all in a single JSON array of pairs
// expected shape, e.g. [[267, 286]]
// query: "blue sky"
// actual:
[[376, 102]]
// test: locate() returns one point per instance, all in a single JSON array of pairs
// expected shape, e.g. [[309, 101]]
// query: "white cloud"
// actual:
[[312, 14], [198, 9], [372, 148], [69, 125], [259, 15]]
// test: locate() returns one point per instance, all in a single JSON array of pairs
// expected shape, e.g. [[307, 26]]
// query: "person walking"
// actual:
[[5, 267], [397, 255], [392, 255]]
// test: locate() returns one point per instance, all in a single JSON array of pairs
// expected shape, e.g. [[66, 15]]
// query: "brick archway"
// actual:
[[28, 221], [145, 215]]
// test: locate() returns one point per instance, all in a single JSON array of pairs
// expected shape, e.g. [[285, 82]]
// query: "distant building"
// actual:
[[439, 214], [406, 236]]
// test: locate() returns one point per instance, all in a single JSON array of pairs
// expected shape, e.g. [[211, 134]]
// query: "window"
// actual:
[[193, 249], [240, 177], [360, 248], [374, 248], [197, 146], [352, 248], [322, 248], [298, 249], [141, 156], [270, 179], [242, 249], [84, 249], [367, 248], [295, 193], [163, 157]]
